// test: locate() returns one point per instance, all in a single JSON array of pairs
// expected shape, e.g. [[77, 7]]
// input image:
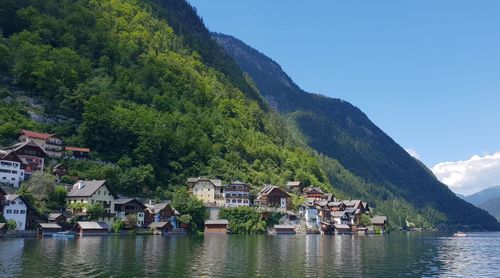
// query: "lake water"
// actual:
[[397, 254]]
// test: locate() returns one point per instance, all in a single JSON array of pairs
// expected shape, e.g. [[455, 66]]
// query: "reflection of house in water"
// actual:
[[214, 257]]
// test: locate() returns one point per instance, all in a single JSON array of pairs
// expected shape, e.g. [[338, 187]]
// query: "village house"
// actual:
[[90, 228], [161, 212], [48, 229], [311, 213], [11, 173], [314, 193], [379, 221], [59, 170], [124, 208], [29, 154], [91, 192], [161, 228], [17, 208], [336, 206], [294, 186], [273, 196], [77, 152], [284, 229], [209, 191], [216, 226], [237, 194], [57, 218], [50, 143], [340, 217]]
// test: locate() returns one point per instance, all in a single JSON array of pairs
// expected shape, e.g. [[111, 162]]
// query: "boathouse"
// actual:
[[216, 226]]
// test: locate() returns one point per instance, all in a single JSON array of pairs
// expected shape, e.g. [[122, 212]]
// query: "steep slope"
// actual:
[[114, 76], [492, 206], [483, 196], [341, 131]]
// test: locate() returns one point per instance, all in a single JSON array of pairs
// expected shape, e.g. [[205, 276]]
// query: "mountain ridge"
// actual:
[[343, 132]]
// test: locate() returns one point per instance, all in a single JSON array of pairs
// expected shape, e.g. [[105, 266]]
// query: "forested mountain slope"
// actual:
[[341, 131]]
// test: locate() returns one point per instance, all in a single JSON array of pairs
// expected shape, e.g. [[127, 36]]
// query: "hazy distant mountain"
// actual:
[[483, 195], [492, 206], [341, 131]]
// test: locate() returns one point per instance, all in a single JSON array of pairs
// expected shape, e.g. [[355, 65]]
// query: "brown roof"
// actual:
[[49, 226], [379, 220], [90, 225], [217, 222], [29, 143], [157, 224], [77, 149], [215, 182], [123, 201], [37, 135], [268, 189], [53, 216]]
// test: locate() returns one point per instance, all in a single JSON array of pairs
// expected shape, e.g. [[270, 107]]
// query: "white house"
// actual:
[[312, 217], [209, 191], [93, 192], [11, 173], [16, 208], [237, 194]]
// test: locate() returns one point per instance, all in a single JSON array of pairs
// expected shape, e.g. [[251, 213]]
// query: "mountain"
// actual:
[[483, 195], [340, 131], [492, 206], [156, 99]]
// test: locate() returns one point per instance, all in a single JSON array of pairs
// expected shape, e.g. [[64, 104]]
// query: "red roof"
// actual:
[[34, 134], [76, 149]]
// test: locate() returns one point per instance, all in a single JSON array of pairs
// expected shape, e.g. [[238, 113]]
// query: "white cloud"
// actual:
[[413, 153], [470, 176]]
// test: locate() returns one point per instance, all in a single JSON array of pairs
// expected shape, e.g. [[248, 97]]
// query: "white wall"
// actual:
[[11, 173], [9, 212]]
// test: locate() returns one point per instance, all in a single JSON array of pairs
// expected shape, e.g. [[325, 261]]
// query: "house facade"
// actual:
[[16, 208], [50, 143], [209, 191], [77, 152], [273, 196], [312, 216], [11, 173], [237, 194], [130, 206], [91, 192], [161, 212]]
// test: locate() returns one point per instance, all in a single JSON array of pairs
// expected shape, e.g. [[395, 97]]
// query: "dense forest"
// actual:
[[341, 132], [142, 84]]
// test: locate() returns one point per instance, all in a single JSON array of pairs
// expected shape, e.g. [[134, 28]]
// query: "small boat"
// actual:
[[459, 234], [64, 235]]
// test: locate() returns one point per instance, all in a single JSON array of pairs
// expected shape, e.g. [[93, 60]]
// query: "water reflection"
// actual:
[[401, 254]]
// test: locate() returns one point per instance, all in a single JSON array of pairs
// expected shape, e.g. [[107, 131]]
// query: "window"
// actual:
[[16, 211], [23, 211], [14, 172], [20, 203], [13, 179], [99, 192], [9, 211], [13, 202]]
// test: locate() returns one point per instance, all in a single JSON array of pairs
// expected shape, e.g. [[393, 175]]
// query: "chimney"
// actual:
[[78, 185]]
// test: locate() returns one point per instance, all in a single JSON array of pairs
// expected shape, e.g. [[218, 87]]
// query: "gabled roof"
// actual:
[[352, 203], [37, 135], [293, 183], [88, 189], [341, 226], [269, 188], [12, 197], [2, 225], [284, 227], [156, 208], [335, 204], [29, 143], [379, 220], [338, 213], [123, 201], [54, 215], [49, 226], [217, 222], [158, 224], [90, 225], [215, 182], [313, 190]]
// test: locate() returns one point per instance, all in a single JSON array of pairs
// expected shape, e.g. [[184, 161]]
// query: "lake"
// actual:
[[396, 254]]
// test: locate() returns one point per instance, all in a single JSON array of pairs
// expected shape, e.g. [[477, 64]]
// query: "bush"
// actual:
[[117, 226], [243, 220], [11, 225]]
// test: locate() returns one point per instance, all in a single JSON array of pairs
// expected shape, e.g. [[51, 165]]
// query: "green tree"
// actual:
[[187, 204], [244, 220], [11, 224], [94, 211]]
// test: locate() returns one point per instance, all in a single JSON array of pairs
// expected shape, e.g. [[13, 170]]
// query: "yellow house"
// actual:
[[209, 191], [93, 192]]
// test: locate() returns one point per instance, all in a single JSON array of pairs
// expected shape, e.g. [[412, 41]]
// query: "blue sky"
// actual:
[[426, 72]]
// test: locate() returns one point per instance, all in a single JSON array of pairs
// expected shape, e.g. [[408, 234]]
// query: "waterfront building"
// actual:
[[91, 192], [130, 206], [273, 196], [216, 226], [91, 228], [209, 191], [16, 208], [237, 194]]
